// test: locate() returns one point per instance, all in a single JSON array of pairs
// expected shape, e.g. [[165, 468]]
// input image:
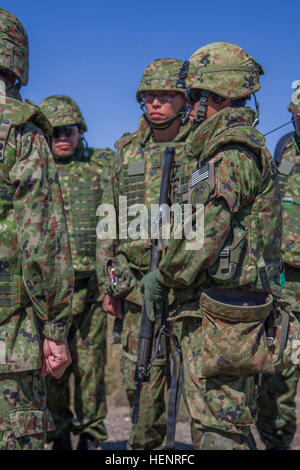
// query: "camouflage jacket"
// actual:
[[82, 178], [35, 257], [289, 179], [138, 178], [234, 176]]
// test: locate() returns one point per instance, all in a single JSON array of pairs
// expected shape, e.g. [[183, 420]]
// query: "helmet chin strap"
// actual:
[[201, 111], [13, 90], [165, 124]]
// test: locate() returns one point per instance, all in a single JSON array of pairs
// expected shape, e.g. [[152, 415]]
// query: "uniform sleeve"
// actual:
[[42, 234], [105, 248], [236, 181]]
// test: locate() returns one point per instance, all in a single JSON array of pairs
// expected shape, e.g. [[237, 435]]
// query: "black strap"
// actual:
[[280, 146], [174, 395], [176, 382]]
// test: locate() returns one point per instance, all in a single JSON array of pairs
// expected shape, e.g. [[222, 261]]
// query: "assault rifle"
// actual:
[[146, 335]]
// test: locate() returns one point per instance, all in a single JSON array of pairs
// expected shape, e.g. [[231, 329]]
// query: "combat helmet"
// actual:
[[221, 68], [160, 75], [294, 106], [62, 110], [14, 49]]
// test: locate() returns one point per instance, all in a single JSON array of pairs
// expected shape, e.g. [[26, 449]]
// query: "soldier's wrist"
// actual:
[[57, 330]]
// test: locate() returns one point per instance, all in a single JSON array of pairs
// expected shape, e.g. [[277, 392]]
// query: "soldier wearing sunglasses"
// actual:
[[83, 171]]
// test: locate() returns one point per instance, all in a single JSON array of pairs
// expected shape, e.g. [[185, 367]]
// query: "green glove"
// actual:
[[155, 294]]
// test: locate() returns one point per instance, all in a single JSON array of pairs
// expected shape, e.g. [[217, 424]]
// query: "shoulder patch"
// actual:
[[199, 175], [201, 184]]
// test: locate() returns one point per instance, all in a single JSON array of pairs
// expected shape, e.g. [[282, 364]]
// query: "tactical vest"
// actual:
[[289, 178], [81, 184], [13, 114], [250, 257], [139, 181]]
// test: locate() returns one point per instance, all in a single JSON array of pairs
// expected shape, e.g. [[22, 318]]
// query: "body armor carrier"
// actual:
[[250, 257], [139, 181], [82, 193]]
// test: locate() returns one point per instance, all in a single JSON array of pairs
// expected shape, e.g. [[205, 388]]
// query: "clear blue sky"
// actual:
[[96, 51]]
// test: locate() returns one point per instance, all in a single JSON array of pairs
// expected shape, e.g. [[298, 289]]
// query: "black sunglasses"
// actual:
[[66, 130]]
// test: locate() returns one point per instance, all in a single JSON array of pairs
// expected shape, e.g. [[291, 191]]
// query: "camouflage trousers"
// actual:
[[225, 405], [150, 431], [276, 421], [87, 342], [24, 418]]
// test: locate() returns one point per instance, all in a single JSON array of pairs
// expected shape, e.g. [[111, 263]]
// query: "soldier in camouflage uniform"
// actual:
[[223, 289], [36, 274], [276, 421], [83, 171], [163, 124]]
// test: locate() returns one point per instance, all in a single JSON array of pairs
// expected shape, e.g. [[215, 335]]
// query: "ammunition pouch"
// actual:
[[230, 256], [246, 333], [119, 279], [13, 295]]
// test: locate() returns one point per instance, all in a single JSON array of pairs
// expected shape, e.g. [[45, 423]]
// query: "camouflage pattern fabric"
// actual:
[[36, 273], [276, 420], [62, 110], [24, 415], [150, 430], [228, 147], [82, 182], [289, 178], [161, 74], [222, 68], [225, 404], [35, 268], [143, 187], [14, 50], [83, 177], [294, 105], [87, 342]]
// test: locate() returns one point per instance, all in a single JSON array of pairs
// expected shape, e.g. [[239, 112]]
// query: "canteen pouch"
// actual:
[[234, 336]]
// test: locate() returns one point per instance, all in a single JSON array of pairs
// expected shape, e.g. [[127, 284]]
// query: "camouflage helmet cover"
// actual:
[[294, 106], [14, 49], [62, 110], [160, 75], [224, 69]]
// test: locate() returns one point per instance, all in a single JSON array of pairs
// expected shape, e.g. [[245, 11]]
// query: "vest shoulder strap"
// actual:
[[280, 146], [5, 126]]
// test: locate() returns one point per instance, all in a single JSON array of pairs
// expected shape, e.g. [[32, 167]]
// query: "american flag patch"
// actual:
[[199, 175]]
